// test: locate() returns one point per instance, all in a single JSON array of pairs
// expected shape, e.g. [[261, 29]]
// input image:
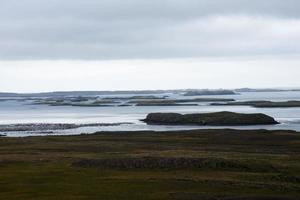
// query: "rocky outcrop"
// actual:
[[214, 119]]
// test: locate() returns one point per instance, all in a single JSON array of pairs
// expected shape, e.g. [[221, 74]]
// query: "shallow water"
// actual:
[[12, 112]]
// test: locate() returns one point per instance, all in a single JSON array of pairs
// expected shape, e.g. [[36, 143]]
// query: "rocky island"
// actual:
[[262, 104], [213, 119]]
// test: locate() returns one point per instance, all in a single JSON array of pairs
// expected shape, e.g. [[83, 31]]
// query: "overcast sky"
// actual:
[[138, 44]]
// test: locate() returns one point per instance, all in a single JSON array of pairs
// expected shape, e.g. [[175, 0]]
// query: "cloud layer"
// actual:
[[127, 29]]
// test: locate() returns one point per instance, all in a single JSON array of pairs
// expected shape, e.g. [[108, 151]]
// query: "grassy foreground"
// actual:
[[185, 165]]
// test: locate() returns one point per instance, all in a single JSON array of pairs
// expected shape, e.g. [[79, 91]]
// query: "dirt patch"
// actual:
[[170, 163]]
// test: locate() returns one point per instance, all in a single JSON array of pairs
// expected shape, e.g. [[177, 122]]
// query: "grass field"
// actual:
[[184, 165]]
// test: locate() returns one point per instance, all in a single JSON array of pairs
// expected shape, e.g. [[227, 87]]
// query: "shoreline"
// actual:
[[50, 133], [73, 129], [52, 126]]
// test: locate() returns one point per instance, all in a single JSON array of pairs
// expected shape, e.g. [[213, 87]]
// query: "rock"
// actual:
[[214, 119]]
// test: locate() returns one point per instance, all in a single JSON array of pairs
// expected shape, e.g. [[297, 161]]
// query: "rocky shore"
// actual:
[[213, 119], [48, 126]]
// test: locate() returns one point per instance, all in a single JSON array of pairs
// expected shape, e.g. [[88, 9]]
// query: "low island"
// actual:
[[209, 92], [213, 119], [262, 104], [124, 101]]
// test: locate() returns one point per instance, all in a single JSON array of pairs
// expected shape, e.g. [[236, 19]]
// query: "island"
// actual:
[[209, 92], [165, 104], [213, 119], [198, 100], [177, 102], [81, 101], [261, 104], [265, 90]]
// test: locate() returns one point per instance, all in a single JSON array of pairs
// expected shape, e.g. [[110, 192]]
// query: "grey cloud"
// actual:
[[112, 9], [125, 29]]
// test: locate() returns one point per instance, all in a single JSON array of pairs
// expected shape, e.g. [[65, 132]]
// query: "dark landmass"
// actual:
[[8, 99], [264, 90], [181, 165], [198, 100], [213, 119], [139, 92], [124, 105], [177, 102], [96, 93], [85, 93], [165, 104], [259, 90], [151, 97], [7, 94], [119, 101], [209, 92], [47, 127], [76, 101], [262, 104]]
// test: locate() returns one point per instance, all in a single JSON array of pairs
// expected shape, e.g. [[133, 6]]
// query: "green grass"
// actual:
[[43, 167]]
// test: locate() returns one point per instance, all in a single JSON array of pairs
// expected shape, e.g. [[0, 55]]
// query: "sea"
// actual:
[[18, 111]]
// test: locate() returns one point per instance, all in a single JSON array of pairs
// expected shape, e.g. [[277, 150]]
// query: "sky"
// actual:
[[58, 45]]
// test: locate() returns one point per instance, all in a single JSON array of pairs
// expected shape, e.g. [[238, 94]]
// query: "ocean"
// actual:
[[19, 111]]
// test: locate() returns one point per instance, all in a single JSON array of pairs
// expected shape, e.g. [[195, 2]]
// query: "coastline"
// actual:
[[195, 164]]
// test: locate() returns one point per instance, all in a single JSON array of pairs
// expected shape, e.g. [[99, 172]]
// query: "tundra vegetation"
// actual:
[[198, 164]]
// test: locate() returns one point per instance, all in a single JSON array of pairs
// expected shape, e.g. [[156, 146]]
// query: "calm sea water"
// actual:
[[12, 112]]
